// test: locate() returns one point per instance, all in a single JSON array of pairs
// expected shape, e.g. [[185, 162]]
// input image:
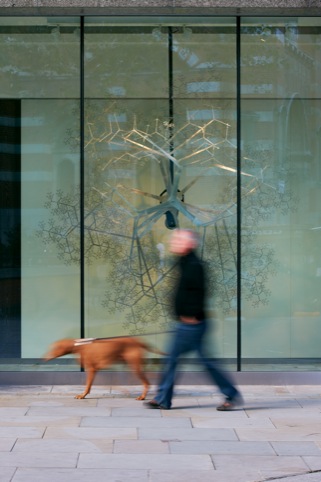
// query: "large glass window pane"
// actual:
[[160, 152], [40, 60], [280, 122]]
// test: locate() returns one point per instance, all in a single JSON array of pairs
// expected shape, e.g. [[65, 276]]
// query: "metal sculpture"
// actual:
[[122, 222]]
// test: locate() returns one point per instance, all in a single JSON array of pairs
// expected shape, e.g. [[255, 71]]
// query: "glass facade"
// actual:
[[280, 118], [40, 65], [115, 131]]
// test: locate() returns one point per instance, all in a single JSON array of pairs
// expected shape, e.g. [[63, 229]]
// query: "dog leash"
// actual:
[[86, 341]]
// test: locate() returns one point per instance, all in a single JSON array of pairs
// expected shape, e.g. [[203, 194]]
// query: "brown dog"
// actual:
[[97, 353]]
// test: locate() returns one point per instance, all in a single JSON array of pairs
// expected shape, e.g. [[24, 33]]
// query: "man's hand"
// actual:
[[189, 319]]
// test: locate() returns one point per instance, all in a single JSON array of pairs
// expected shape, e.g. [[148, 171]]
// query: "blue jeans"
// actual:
[[187, 338]]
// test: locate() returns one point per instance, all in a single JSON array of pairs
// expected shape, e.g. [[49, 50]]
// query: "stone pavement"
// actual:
[[48, 436]]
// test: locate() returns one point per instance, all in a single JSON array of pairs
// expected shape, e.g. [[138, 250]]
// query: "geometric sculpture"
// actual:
[[142, 182]]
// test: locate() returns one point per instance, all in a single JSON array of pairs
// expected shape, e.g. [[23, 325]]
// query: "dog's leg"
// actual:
[[145, 385], [90, 378], [137, 368]]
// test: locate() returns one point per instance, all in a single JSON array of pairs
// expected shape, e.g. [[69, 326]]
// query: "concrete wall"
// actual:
[[113, 7]]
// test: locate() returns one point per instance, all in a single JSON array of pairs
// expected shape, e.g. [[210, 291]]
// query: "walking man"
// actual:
[[189, 335]]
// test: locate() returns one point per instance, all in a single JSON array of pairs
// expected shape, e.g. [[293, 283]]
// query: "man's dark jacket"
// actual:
[[189, 297]]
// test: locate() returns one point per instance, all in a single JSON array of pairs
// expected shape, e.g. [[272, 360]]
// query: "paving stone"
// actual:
[[313, 403], [272, 402], [221, 447], [19, 390], [302, 420], [281, 412], [206, 411], [178, 434], [230, 422], [11, 401], [146, 461], [296, 448], [114, 402], [58, 401], [314, 463], [55, 446], [200, 476], [92, 433], [40, 421], [273, 411], [104, 445], [188, 401], [6, 445], [127, 392], [7, 474], [289, 434], [30, 459], [304, 478], [29, 432], [263, 465], [6, 412], [79, 475], [131, 411], [71, 391], [141, 447], [80, 410], [138, 422]]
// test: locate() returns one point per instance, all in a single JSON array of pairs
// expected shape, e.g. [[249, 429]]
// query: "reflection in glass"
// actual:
[[160, 133], [280, 115], [40, 76], [153, 162]]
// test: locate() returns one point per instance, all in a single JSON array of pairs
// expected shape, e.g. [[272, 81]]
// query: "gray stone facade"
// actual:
[[167, 7]]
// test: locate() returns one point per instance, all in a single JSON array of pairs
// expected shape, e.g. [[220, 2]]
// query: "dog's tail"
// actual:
[[151, 348]]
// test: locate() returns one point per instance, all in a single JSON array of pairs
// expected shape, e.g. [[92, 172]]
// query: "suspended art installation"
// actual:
[[142, 181]]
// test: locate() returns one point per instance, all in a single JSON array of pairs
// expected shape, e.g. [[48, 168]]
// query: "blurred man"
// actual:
[[189, 309]]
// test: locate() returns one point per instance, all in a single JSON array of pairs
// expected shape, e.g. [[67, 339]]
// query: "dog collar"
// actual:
[[83, 341]]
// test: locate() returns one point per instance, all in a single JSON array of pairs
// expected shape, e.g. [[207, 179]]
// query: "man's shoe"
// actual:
[[226, 406], [154, 404], [231, 404]]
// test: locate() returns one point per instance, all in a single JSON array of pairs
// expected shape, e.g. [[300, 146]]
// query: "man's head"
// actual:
[[183, 241]]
